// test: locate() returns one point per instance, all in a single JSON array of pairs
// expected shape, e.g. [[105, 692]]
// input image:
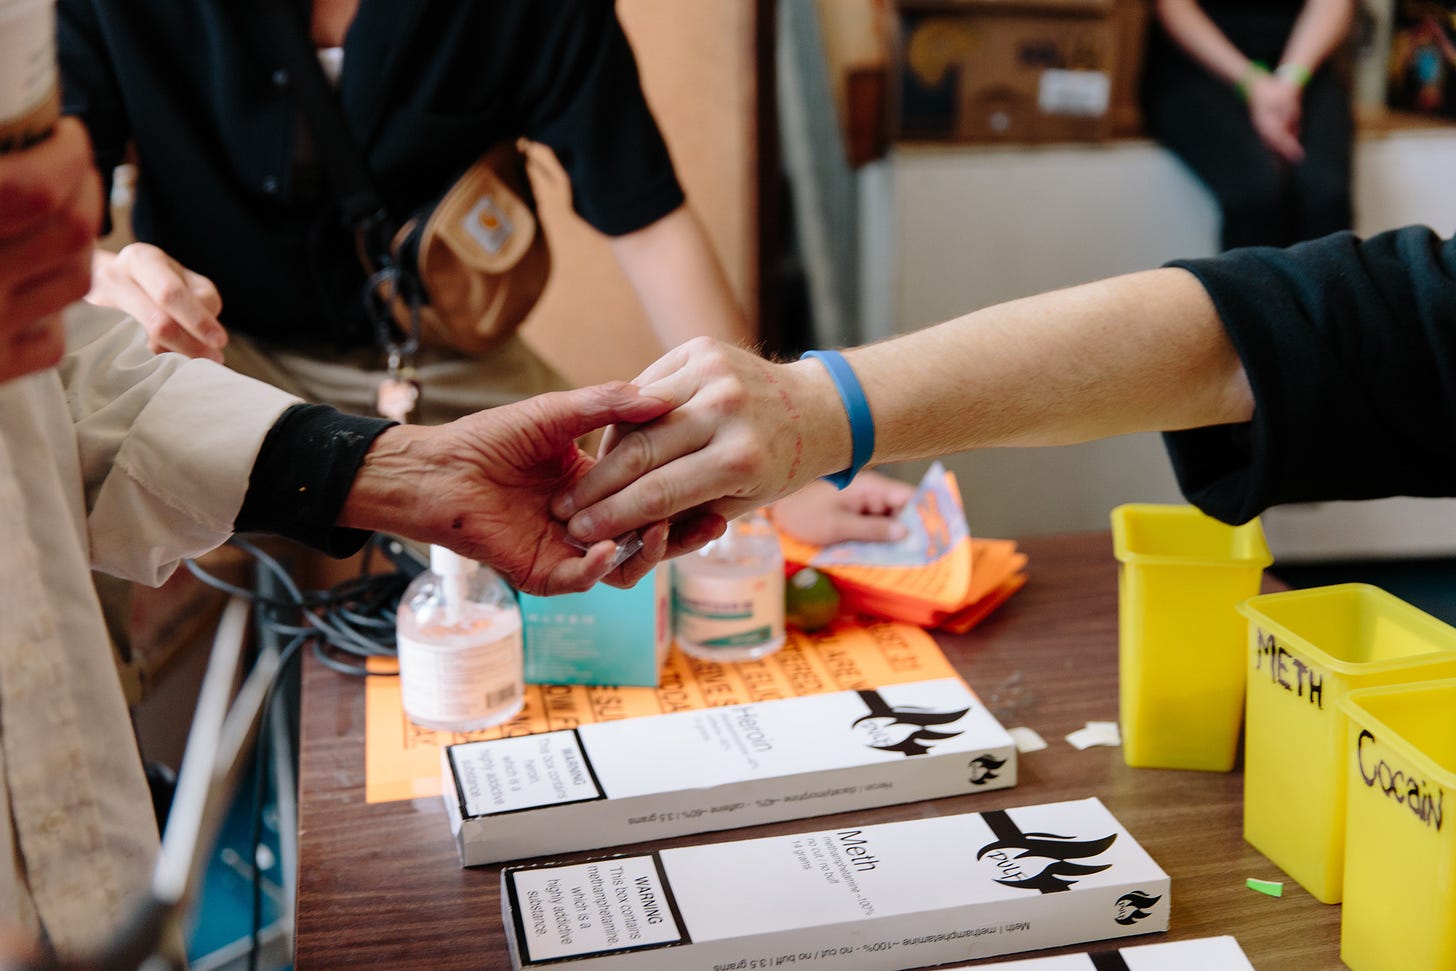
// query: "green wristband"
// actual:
[[1296, 74], [1252, 73]]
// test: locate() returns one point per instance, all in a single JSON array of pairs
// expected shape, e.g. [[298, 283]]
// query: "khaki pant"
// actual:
[[451, 384]]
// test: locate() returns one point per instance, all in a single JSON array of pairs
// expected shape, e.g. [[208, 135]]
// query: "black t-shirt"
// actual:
[[1260, 29], [427, 87], [1350, 348]]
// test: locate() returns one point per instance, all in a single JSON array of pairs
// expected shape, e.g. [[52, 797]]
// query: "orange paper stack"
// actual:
[[939, 576]]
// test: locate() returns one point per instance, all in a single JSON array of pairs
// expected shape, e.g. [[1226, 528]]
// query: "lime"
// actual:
[[810, 600]]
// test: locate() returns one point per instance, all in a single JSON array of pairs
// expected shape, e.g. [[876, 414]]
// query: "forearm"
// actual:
[[1191, 28], [1144, 352], [678, 280], [1321, 27]]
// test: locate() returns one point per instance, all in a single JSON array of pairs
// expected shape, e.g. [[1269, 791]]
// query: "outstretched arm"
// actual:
[[1314, 373], [1135, 353]]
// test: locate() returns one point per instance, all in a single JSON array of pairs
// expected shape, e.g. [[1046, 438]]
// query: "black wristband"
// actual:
[[303, 472]]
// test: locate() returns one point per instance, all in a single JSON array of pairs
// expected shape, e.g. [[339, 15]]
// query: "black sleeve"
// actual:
[[303, 472], [1350, 348], [584, 99], [89, 89]]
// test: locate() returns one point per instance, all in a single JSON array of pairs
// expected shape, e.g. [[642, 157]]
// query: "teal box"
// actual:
[[601, 636]]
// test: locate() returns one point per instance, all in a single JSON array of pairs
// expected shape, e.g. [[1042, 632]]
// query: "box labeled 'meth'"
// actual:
[[874, 898], [637, 779]]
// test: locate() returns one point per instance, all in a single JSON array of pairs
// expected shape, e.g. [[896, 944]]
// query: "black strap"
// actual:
[[360, 203], [1108, 961], [362, 207]]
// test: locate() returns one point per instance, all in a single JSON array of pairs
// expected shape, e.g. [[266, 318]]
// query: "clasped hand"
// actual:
[[742, 433], [1276, 111], [481, 485], [705, 434]]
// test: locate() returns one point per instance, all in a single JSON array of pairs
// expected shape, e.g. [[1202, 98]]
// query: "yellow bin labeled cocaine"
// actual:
[[1180, 639], [1400, 843], [1307, 650]]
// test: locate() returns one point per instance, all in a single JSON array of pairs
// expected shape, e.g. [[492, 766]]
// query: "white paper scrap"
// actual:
[[1026, 739], [1095, 733]]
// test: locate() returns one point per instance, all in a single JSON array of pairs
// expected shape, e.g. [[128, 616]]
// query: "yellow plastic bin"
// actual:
[[1180, 657], [1307, 650], [1400, 841]]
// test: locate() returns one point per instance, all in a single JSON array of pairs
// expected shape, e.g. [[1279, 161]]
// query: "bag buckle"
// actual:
[[399, 392], [380, 292]]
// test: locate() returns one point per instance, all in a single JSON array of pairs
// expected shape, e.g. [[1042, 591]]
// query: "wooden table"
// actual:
[[380, 885]]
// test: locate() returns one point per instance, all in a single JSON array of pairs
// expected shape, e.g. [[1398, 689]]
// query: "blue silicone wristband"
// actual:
[[856, 406]]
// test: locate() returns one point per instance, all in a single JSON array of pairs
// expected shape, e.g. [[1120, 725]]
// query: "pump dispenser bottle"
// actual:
[[459, 638], [728, 597]]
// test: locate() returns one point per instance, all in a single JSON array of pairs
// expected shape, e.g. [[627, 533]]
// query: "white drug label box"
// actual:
[[639, 779], [1199, 954], [874, 898]]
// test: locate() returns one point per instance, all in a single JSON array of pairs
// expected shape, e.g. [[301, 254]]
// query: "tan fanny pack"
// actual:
[[461, 273], [476, 261]]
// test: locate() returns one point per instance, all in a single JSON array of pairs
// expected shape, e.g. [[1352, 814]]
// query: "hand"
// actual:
[[1275, 108], [18, 952], [743, 433], [820, 514], [177, 307], [50, 211], [482, 485]]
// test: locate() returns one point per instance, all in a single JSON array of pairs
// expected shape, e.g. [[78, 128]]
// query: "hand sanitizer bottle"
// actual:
[[728, 597], [459, 637]]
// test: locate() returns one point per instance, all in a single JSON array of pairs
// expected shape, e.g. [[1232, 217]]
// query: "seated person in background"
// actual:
[[1244, 92], [120, 459], [1323, 371], [238, 223]]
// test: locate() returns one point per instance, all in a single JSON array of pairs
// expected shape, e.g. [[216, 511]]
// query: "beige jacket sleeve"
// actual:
[[165, 444]]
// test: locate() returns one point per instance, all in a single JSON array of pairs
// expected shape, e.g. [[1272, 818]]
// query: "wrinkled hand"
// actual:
[[50, 210], [743, 433], [177, 307], [820, 514], [1276, 110], [482, 485]]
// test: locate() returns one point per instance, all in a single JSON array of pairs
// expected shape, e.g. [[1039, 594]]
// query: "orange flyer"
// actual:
[[938, 575], [402, 760]]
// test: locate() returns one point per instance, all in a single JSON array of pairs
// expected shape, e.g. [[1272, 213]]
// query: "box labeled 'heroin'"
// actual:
[[894, 895], [637, 779]]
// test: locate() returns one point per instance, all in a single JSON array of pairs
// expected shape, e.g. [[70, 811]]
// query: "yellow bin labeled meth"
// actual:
[[1307, 650], [1180, 656], [1400, 841]]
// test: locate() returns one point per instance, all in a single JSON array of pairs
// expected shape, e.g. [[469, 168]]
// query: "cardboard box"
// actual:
[[894, 895], [695, 771], [1009, 71], [1199, 954], [601, 636]]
